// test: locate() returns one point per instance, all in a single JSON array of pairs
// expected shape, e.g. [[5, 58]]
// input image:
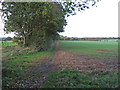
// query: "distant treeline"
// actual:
[[88, 39], [5, 38], [69, 38]]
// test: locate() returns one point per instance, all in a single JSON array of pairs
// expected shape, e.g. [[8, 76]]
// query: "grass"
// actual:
[[18, 66], [88, 47], [7, 43], [74, 79], [103, 50]]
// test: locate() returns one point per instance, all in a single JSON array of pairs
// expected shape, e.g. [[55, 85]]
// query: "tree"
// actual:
[[38, 23], [8, 38]]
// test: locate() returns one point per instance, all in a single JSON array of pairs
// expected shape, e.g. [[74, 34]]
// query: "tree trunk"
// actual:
[[24, 41]]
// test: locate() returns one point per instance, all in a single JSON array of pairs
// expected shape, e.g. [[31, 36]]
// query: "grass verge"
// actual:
[[17, 65], [74, 79]]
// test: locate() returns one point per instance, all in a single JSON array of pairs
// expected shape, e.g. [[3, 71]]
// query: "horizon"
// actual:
[[75, 37]]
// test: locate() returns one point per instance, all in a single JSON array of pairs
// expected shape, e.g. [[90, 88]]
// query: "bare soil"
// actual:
[[82, 63]]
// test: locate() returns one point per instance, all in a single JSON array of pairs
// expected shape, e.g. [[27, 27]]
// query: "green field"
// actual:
[[89, 47], [19, 63], [102, 50], [7, 43]]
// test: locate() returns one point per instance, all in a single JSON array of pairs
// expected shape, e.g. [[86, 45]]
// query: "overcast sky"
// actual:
[[100, 21]]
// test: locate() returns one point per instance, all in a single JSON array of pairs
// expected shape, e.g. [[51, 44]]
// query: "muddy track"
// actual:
[[45, 67]]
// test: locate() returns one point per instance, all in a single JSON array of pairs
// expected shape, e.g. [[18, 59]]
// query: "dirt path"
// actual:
[[65, 60]]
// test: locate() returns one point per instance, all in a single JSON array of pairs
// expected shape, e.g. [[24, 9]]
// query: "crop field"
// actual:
[[70, 64], [104, 50], [89, 47]]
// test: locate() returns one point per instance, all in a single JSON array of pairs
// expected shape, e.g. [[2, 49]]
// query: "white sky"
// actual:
[[100, 21]]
